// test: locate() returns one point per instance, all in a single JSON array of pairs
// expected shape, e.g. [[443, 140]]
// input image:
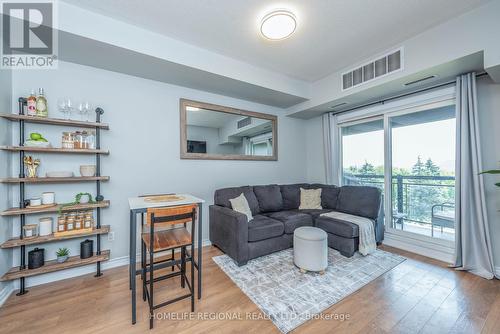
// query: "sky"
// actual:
[[435, 140]]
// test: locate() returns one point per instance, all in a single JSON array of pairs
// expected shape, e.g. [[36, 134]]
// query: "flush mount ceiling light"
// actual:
[[278, 25]]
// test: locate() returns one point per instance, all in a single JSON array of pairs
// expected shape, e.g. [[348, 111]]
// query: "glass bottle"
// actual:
[[41, 104], [31, 104]]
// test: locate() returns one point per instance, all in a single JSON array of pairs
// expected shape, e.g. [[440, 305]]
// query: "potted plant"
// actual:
[[80, 198], [83, 198], [62, 254]]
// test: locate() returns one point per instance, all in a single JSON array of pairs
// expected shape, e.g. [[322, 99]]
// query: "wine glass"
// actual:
[[63, 108], [88, 109], [82, 110], [70, 107]]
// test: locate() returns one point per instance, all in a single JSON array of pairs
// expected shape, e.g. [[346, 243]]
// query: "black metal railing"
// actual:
[[413, 195]]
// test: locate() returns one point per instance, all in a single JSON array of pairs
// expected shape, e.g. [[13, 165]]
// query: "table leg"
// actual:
[[200, 242], [130, 252], [133, 231]]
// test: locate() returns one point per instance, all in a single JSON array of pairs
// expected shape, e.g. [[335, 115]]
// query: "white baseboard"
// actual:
[[69, 273], [431, 250], [6, 292]]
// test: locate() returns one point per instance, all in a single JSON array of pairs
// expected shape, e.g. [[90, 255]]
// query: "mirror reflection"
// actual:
[[213, 132]]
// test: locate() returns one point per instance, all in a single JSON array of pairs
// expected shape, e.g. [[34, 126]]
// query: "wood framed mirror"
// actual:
[[214, 132]]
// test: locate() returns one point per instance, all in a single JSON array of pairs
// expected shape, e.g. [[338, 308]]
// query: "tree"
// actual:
[[367, 169], [418, 167], [431, 168]]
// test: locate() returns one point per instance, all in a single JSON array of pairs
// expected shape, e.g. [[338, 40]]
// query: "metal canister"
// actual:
[[36, 258]]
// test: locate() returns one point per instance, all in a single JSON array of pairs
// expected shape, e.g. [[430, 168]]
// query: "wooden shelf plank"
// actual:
[[55, 208], [55, 121], [52, 150], [54, 179], [16, 242], [51, 266]]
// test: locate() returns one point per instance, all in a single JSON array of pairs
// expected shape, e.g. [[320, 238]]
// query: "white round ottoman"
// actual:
[[310, 249]]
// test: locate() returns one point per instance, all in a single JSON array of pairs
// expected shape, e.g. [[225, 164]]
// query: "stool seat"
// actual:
[[310, 249], [168, 239], [310, 233]]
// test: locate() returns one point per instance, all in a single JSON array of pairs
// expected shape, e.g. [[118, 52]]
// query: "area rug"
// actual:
[[289, 297]]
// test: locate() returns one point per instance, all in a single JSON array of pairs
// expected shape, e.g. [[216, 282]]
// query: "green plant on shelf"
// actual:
[[78, 199], [62, 252]]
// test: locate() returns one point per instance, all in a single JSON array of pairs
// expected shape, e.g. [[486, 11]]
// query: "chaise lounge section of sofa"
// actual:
[[276, 215]]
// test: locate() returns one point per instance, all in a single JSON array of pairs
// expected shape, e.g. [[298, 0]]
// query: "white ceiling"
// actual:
[[331, 34]]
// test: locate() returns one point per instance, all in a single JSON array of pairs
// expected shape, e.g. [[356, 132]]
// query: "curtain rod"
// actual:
[[402, 95]]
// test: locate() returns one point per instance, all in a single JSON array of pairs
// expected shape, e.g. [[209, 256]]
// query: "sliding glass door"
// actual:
[[422, 168], [363, 153], [407, 149]]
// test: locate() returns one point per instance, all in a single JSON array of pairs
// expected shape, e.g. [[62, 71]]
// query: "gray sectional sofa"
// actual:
[[276, 213]]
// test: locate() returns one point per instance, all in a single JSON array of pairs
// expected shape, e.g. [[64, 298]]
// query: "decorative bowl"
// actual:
[[87, 170]]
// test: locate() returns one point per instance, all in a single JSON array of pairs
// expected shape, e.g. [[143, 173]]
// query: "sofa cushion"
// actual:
[[329, 196], [310, 199], [269, 197], [222, 197], [360, 201], [240, 204], [314, 213], [262, 227], [338, 227], [291, 195], [292, 219]]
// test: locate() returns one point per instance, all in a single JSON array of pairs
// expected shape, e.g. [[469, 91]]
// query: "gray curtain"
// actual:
[[330, 148], [472, 237]]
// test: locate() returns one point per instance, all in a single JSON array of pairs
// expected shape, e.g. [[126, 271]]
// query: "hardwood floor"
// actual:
[[420, 295]]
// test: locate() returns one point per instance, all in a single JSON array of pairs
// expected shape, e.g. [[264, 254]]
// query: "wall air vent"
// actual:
[[244, 122], [375, 69]]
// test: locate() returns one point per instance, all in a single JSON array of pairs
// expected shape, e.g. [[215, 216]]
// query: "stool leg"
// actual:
[[143, 269], [192, 279], [173, 258], [151, 294], [183, 266]]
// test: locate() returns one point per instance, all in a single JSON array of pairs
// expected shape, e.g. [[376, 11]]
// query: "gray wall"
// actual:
[[144, 145], [489, 102], [5, 224]]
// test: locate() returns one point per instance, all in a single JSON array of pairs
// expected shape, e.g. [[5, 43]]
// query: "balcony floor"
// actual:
[[424, 229]]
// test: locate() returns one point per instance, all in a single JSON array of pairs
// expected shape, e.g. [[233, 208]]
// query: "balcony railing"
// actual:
[[417, 199]]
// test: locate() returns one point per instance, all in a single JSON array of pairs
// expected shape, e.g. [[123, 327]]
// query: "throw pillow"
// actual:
[[240, 204], [310, 199]]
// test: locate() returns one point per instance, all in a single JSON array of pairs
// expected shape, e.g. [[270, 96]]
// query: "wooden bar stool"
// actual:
[[156, 241]]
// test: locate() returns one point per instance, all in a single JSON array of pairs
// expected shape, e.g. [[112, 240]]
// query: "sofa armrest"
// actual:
[[229, 232]]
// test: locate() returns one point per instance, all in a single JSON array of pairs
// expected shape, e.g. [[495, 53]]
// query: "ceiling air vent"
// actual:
[[244, 122], [390, 63]]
